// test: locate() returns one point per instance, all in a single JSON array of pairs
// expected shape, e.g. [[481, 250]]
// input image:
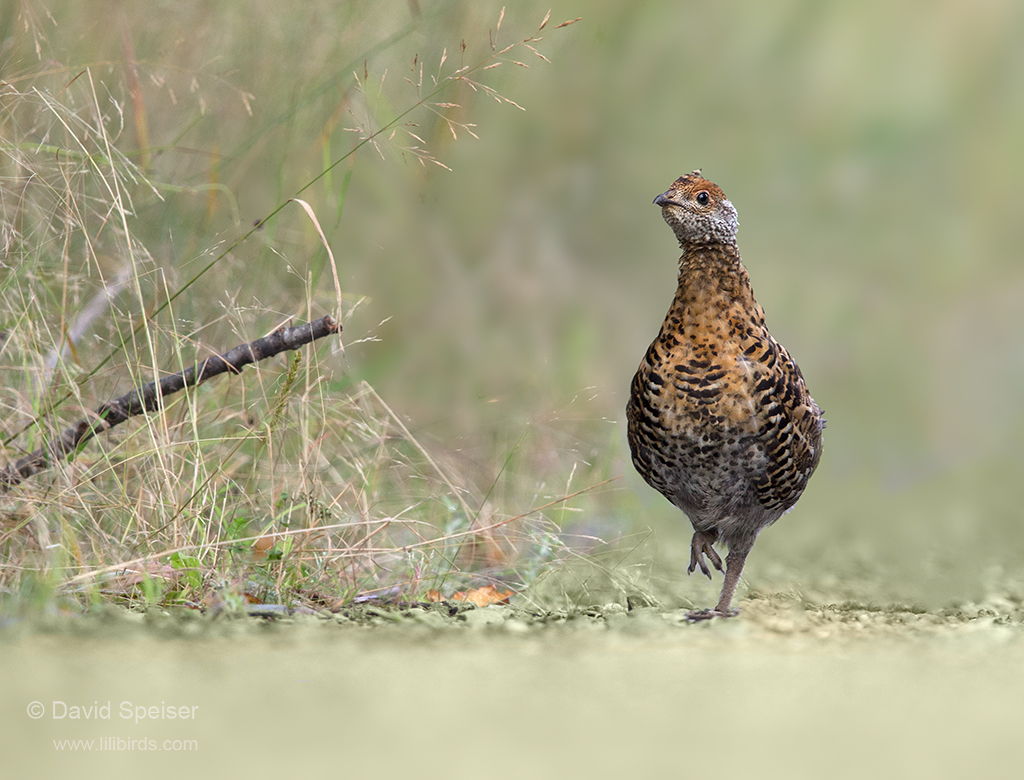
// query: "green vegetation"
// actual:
[[150, 219]]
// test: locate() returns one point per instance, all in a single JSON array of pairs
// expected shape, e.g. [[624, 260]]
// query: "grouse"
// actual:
[[719, 418]]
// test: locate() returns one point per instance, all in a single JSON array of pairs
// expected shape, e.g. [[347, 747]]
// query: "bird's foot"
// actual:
[[697, 615], [701, 545]]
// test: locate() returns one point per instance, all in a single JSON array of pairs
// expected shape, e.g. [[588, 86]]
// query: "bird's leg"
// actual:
[[701, 545], [734, 567]]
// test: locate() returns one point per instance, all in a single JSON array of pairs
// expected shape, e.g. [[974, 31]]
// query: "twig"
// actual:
[[147, 398]]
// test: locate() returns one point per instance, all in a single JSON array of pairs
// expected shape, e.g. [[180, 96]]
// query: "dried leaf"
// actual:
[[488, 594], [262, 546]]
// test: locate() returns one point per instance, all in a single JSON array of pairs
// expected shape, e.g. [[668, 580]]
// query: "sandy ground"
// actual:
[[785, 691]]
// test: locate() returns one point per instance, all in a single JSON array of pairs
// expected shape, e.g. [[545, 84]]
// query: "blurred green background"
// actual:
[[873, 150]]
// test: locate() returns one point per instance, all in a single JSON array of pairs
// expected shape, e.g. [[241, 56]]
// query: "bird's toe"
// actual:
[[700, 547], [699, 615]]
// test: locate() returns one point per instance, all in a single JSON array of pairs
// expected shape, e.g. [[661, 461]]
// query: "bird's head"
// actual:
[[698, 211]]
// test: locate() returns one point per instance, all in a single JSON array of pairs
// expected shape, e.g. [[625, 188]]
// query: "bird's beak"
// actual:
[[662, 200]]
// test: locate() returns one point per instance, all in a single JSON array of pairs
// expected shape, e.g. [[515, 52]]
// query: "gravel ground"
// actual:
[[789, 689]]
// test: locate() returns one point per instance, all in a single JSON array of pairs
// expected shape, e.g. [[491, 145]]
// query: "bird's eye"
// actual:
[[703, 197]]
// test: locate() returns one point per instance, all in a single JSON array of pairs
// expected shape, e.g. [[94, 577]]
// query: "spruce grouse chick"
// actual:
[[720, 420]]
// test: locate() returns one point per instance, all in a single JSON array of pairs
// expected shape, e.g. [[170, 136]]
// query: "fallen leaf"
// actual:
[[488, 594], [262, 546]]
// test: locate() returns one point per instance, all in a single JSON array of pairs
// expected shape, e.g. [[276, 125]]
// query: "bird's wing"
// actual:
[[790, 427]]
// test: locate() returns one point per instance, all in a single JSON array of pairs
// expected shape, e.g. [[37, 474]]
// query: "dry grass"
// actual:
[[286, 484]]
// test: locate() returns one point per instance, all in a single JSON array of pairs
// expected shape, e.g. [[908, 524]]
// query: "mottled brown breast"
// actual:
[[718, 410]]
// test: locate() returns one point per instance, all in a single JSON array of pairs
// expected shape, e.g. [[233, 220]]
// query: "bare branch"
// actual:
[[147, 398]]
